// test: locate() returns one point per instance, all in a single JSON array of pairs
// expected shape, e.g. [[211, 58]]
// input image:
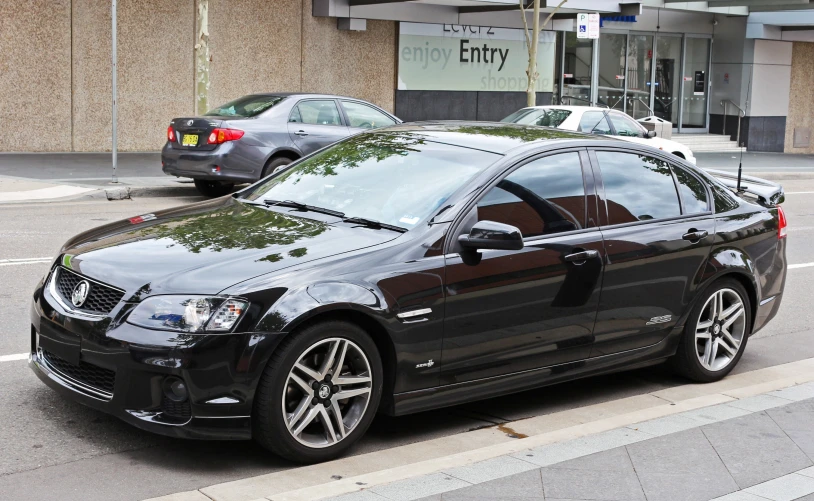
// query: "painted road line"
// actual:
[[9, 358], [408, 461], [799, 192], [28, 260], [801, 265]]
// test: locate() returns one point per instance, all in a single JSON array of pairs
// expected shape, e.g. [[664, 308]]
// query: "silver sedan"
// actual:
[[253, 136]]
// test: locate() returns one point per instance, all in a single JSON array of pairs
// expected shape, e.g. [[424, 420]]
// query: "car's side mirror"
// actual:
[[492, 235], [650, 133]]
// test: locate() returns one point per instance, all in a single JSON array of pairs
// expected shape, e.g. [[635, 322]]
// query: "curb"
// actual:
[[119, 193], [361, 472]]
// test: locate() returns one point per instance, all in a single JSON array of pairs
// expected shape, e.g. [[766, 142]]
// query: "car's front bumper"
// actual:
[[72, 355]]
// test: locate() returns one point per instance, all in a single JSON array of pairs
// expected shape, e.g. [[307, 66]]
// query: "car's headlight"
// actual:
[[193, 314]]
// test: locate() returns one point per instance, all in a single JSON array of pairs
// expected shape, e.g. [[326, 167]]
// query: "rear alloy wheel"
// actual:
[[716, 333], [275, 165], [213, 188], [319, 392]]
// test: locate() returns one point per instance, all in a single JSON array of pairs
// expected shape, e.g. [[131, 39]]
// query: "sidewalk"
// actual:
[[754, 449]]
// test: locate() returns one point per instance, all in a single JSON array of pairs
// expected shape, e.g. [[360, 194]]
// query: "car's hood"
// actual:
[[207, 247]]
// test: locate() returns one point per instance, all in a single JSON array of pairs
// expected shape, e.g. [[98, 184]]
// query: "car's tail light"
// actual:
[[170, 134], [781, 223], [218, 136]]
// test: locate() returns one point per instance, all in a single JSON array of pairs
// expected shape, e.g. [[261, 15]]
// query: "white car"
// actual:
[[595, 120]]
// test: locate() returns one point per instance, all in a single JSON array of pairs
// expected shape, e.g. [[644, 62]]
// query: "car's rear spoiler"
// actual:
[[768, 193]]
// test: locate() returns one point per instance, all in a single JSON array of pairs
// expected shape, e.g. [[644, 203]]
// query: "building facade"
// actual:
[[737, 71]]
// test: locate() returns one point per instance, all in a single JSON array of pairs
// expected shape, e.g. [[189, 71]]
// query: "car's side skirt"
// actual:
[[459, 393]]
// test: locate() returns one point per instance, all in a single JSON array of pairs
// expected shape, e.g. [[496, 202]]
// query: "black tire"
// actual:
[[686, 360], [213, 188], [269, 427], [274, 164]]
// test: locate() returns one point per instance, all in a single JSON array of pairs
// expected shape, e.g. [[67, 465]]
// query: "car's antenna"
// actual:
[[740, 163]]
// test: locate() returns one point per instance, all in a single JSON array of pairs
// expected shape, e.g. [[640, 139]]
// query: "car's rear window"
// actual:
[[550, 117], [245, 107]]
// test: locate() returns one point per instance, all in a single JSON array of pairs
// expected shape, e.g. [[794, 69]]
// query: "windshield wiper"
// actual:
[[303, 207], [370, 223]]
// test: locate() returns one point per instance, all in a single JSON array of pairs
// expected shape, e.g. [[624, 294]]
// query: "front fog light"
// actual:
[[193, 314], [175, 389]]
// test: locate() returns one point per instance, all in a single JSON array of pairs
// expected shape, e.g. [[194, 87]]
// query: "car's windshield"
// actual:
[[246, 106], [535, 116], [397, 178]]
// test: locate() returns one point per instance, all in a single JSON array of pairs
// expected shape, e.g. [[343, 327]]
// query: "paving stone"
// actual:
[[587, 484], [739, 496], [797, 420], [563, 451], [808, 472], [715, 413], [785, 488], [358, 496], [797, 393], [666, 425], [419, 487], [759, 403], [612, 460], [810, 497], [490, 469], [754, 449], [681, 466], [526, 485]]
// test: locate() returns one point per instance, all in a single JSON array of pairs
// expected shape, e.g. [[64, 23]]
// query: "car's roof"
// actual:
[[571, 108], [494, 137], [304, 94]]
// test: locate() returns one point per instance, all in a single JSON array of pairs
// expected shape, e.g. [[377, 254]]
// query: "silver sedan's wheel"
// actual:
[[720, 330], [327, 392]]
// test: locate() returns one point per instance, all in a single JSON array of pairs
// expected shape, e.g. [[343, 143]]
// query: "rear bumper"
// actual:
[[220, 164]]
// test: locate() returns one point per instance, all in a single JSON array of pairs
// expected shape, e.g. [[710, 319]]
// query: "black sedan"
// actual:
[[256, 135], [406, 269]]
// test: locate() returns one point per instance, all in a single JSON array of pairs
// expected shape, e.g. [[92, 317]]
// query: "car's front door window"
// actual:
[[542, 197], [365, 117], [624, 126], [594, 122]]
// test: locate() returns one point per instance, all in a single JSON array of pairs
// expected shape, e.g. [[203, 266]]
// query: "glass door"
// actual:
[[667, 84], [695, 92], [639, 74], [611, 84], [576, 68]]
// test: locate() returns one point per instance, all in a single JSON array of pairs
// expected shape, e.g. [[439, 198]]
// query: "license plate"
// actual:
[[189, 140]]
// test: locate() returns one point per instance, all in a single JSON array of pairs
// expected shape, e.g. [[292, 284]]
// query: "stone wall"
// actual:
[[801, 95], [35, 75], [55, 69]]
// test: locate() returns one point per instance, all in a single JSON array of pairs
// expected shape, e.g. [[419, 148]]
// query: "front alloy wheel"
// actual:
[[318, 393], [327, 393]]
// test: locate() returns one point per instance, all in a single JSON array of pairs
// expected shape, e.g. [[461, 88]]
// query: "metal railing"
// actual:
[[725, 103]]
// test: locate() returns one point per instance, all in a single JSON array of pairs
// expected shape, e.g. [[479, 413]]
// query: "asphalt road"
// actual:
[[53, 448]]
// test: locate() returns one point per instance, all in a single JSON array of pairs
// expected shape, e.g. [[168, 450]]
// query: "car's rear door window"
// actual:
[[364, 116], [542, 197], [316, 112], [637, 187], [594, 122], [693, 192]]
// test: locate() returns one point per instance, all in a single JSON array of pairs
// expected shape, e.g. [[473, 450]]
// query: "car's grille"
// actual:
[[87, 374], [101, 298], [179, 410]]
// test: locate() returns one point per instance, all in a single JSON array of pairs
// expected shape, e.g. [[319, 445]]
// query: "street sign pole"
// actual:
[[115, 103]]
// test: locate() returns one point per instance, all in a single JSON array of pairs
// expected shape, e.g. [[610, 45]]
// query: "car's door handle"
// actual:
[[582, 256], [301, 133], [695, 235]]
